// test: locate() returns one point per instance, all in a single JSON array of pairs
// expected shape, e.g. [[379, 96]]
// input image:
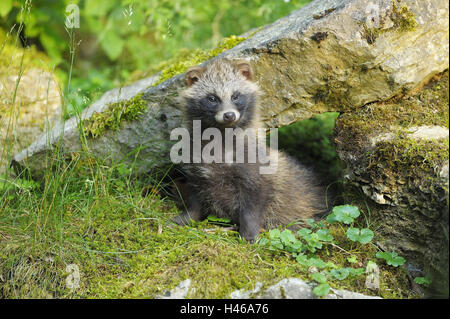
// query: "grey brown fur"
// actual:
[[238, 191]]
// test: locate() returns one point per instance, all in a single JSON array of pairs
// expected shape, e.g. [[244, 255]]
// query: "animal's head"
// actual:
[[221, 94]]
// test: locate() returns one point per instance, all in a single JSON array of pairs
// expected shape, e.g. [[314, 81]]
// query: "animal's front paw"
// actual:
[[249, 236]]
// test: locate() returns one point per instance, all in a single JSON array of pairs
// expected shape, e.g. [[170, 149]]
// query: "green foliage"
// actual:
[[5, 7], [310, 141], [343, 273], [340, 274], [362, 236], [18, 184], [309, 244], [425, 281], [391, 258], [320, 278], [352, 259], [343, 213], [181, 64], [321, 289], [219, 220]]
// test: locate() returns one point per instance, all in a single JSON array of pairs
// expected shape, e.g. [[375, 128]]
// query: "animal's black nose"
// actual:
[[229, 117]]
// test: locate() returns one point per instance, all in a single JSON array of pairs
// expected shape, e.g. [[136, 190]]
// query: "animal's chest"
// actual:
[[227, 175], [225, 187]]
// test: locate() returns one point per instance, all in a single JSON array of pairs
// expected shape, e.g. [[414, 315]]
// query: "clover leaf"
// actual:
[[362, 236], [287, 237], [274, 233], [321, 290], [392, 258], [320, 278], [310, 262], [340, 273], [352, 259], [302, 232], [317, 262], [426, 281], [324, 235], [302, 260], [314, 240], [343, 213], [355, 272]]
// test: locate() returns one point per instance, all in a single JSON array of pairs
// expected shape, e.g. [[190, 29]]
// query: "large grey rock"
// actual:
[[289, 288], [179, 292], [333, 55], [345, 294], [294, 288]]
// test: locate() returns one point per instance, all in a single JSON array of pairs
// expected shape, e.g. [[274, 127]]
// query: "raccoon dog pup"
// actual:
[[223, 95]]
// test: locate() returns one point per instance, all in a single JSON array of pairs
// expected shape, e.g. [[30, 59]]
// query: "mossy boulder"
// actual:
[[317, 59], [30, 99], [397, 153]]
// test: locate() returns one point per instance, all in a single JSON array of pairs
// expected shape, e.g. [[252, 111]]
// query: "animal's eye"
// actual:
[[235, 96], [212, 99]]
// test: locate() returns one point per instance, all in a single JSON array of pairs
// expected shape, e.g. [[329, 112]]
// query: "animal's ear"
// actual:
[[245, 69], [193, 74]]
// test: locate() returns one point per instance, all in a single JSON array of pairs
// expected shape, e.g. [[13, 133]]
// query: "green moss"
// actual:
[[428, 107], [409, 161], [404, 21], [187, 59], [114, 114], [125, 246], [399, 172], [403, 18]]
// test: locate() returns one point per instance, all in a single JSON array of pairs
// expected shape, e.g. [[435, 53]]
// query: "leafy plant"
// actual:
[[425, 281], [345, 214], [362, 236], [352, 259], [391, 258], [307, 241], [340, 274], [321, 289], [218, 220], [343, 273]]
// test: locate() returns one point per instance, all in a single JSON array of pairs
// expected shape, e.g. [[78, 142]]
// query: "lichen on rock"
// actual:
[[393, 19]]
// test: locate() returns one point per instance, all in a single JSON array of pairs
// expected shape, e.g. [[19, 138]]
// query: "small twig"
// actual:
[[334, 245], [213, 230]]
